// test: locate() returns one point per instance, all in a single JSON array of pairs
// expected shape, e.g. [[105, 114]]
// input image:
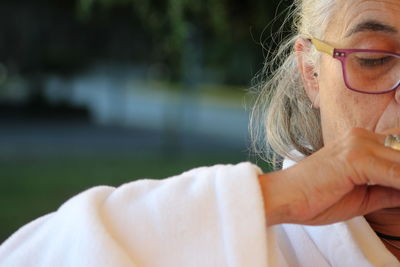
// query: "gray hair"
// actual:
[[282, 119]]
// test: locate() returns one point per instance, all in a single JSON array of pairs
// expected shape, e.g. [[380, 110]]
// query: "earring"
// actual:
[[315, 74]]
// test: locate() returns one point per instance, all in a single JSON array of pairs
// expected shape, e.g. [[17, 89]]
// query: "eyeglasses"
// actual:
[[364, 70]]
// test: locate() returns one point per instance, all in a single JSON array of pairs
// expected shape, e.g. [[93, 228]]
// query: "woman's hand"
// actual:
[[353, 176]]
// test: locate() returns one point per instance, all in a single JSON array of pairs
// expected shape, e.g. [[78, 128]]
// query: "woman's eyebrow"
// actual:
[[372, 26]]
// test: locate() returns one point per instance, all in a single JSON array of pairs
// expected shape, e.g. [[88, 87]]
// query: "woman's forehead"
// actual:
[[365, 15]]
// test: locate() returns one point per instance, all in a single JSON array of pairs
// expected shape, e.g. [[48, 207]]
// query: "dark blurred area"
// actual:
[[109, 91]]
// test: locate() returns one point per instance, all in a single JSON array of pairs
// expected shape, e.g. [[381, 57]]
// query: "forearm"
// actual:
[[275, 203]]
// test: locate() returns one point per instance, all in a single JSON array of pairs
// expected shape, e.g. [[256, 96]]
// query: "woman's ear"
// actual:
[[307, 70]]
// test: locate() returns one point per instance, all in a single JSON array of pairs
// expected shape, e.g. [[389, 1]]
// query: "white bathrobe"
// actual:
[[211, 216]]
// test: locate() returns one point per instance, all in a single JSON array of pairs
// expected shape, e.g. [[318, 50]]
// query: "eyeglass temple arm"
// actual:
[[322, 47]]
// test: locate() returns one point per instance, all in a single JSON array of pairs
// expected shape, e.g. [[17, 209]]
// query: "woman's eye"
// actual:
[[374, 62]]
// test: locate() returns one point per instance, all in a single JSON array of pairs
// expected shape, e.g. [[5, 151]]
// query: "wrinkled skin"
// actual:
[[353, 174]]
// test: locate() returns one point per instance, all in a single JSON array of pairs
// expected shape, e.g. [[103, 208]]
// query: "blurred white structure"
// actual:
[[120, 96]]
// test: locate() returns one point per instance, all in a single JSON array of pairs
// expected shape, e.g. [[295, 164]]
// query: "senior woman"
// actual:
[[332, 109]]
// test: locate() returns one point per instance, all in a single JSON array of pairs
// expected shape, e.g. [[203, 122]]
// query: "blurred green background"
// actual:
[[108, 91]]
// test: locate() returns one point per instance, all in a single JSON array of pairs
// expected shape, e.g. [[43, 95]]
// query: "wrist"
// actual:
[[274, 196]]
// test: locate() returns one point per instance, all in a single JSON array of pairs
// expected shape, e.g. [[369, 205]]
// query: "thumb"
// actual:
[[379, 197]]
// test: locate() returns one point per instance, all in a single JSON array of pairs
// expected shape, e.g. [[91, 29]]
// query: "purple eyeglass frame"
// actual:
[[341, 55]]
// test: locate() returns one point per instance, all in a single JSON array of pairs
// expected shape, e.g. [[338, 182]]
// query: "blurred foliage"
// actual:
[[214, 41], [223, 28], [171, 16]]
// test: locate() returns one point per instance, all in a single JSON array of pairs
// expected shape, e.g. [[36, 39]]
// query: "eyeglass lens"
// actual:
[[372, 71]]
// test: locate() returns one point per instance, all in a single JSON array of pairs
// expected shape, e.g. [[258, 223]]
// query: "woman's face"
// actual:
[[365, 24]]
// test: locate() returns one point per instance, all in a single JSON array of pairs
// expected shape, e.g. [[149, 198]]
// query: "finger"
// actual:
[[377, 171], [379, 197], [364, 133], [372, 198], [379, 137], [384, 152], [390, 131], [375, 144]]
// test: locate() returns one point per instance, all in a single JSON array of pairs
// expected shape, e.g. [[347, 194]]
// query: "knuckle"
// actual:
[[356, 132], [354, 147], [355, 153], [393, 171]]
